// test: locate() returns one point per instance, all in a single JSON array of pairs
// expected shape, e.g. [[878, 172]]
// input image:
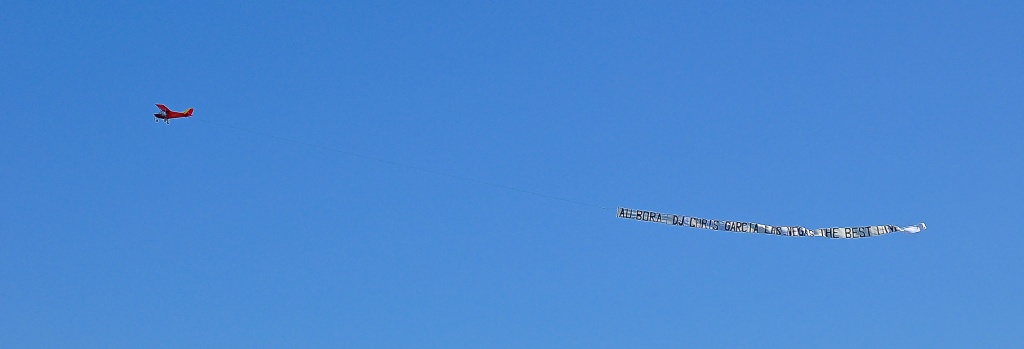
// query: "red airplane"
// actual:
[[168, 114]]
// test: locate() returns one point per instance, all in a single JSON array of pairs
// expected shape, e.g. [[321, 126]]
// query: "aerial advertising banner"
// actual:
[[757, 228]]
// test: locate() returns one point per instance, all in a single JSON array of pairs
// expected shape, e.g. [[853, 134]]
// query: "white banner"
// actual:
[[747, 227]]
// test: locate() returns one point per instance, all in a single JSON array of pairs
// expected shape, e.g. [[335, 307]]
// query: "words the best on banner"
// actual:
[[757, 228]]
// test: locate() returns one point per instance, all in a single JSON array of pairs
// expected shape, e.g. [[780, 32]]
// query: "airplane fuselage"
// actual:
[[166, 114]]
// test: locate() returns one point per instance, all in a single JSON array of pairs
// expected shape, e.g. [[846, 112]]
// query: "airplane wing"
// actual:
[[163, 107]]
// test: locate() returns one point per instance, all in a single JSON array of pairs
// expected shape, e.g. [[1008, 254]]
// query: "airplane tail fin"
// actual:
[[189, 111]]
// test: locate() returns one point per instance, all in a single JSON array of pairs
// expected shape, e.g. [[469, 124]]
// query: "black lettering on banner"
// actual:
[[750, 227]]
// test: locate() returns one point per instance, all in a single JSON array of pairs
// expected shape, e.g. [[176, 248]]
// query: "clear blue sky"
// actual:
[[117, 232]]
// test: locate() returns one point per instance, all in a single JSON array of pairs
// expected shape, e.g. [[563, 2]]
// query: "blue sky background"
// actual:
[[117, 232]]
